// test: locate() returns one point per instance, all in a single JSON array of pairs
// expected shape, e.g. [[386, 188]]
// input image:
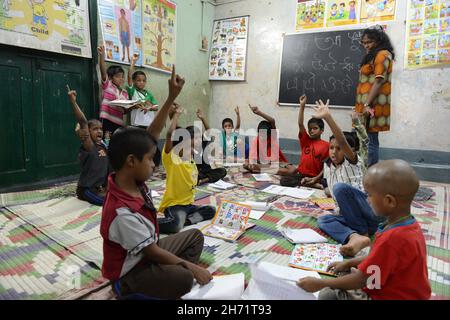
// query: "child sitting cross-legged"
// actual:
[[181, 179], [396, 267], [136, 260]]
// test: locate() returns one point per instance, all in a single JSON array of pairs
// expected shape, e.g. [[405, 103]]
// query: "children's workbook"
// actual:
[[126, 104], [325, 203], [315, 256], [230, 221]]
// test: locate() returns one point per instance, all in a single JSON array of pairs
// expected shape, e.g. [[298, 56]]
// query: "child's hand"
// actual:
[[322, 110], [202, 275], [307, 181], [255, 110], [200, 114], [72, 94], [338, 266], [302, 100], [236, 110], [101, 50], [176, 84], [310, 284], [178, 109]]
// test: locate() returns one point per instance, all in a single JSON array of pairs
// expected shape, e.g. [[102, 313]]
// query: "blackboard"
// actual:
[[322, 65]]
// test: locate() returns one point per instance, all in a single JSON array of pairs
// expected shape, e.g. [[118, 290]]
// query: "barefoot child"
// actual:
[[344, 174], [396, 267], [136, 260], [92, 156]]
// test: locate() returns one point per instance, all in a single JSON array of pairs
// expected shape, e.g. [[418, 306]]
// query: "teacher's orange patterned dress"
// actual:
[[380, 68]]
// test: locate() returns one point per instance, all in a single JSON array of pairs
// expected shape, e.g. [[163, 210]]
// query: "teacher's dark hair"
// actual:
[[378, 35]]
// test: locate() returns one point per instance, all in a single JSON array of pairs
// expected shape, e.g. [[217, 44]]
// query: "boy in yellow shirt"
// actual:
[[182, 177]]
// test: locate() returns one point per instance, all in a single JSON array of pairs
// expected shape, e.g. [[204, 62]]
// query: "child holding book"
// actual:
[[136, 260], [396, 267]]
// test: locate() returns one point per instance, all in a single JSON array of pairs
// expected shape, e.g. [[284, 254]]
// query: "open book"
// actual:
[[258, 208], [300, 193], [230, 221], [229, 287], [315, 256], [324, 203], [221, 185], [274, 282], [126, 104]]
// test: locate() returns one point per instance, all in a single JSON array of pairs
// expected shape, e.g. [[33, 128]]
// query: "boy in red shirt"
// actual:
[[396, 267], [314, 152]]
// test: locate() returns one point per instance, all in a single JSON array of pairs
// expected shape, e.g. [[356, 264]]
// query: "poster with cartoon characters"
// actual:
[[60, 26], [121, 26], [310, 14], [427, 33], [342, 12], [377, 10], [159, 23], [228, 55]]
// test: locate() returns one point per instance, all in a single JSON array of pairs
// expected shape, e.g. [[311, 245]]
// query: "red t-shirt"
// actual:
[[255, 155], [314, 153], [400, 253]]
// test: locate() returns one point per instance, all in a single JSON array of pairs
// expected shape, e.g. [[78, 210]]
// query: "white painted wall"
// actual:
[[420, 100]]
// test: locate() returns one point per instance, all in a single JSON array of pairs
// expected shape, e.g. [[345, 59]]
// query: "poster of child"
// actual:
[[342, 12], [124, 32], [310, 14], [377, 10]]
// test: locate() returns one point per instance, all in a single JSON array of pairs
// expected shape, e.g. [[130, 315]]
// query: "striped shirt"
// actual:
[[351, 174], [111, 93]]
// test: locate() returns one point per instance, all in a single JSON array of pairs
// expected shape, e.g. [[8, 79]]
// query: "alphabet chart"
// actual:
[[315, 256]]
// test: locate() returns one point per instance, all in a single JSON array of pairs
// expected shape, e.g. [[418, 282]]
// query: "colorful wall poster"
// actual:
[[228, 56], [342, 12], [159, 22], [60, 26], [428, 33], [310, 14], [121, 25], [377, 10]]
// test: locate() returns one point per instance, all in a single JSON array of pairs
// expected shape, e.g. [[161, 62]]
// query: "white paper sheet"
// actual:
[[222, 185], [256, 214], [274, 282], [262, 177], [302, 235], [229, 287], [126, 104], [263, 206], [300, 193], [141, 118]]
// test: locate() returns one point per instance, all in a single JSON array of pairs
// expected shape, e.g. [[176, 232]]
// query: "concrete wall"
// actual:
[[191, 62], [420, 101]]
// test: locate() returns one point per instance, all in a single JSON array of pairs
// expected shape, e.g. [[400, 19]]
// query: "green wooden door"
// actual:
[[38, 140]]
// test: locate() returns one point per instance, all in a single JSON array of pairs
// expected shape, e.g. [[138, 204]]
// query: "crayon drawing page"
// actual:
[[315, 256]]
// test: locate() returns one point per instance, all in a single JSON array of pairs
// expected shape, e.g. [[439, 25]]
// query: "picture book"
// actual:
[[315, 256], [230, 221], [325, 203]]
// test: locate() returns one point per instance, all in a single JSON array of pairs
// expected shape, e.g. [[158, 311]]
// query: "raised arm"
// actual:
[[265, 116], [131, 69], [301, 114], [323, 112], [83, 132], [176, 84], [201, 116], [102, 62], [238, 119], [173, 126]]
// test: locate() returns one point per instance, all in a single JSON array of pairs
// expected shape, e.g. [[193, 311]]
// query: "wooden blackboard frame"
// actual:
[[318, 30]]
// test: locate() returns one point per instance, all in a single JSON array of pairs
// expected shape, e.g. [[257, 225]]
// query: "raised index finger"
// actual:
[[68, 88], [173, 72]]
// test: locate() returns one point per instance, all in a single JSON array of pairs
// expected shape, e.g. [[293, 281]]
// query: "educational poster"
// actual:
[[428, 33], [60, 26], [229, 49], [377, 10], [310, 14], [159, 22], [121, 25], [342, 12]]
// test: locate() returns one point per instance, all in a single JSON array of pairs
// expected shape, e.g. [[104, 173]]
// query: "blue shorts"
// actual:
[[125, 38]]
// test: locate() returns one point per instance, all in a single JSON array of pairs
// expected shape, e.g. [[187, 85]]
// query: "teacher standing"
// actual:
[[374, 88]]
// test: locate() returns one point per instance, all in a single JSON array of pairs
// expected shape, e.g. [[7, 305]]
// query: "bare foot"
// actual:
[[355, 243]]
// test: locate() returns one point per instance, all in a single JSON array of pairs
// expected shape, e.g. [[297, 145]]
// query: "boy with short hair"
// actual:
[[135, 259], [397, 261]]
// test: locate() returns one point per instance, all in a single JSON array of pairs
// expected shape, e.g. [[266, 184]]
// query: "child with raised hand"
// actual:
[[181, 179], [344, 174], [144, 113], [232, 143], [314, 152], [264, 149], [113, 79], [396, 267], [136, 260], [92, 156], [206, 174]]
